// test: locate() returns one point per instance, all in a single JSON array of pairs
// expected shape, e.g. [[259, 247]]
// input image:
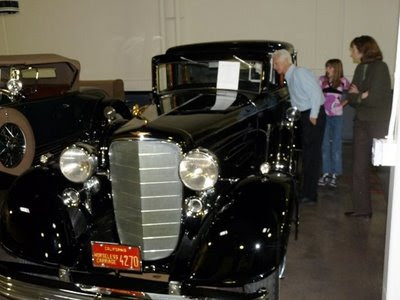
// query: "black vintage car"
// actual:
[[42, 109], [192, 199]]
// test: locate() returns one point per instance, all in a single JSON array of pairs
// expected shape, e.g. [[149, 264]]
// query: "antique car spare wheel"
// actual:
[[17, 143]]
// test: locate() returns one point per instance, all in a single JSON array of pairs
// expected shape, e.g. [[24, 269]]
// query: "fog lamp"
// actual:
[[265, 168], [92, 185], [70, 197], [193, 206]]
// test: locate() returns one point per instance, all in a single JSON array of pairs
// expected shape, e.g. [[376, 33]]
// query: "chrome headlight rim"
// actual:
[[78, 162], [209, 179], [14, 86], [292, 114]]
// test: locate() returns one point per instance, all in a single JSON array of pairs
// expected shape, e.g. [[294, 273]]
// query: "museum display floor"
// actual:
[[337, 257]]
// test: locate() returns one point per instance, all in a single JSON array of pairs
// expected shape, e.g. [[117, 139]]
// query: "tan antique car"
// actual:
[[44, 107]]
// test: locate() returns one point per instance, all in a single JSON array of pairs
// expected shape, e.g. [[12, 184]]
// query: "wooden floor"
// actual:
[[337, 257]]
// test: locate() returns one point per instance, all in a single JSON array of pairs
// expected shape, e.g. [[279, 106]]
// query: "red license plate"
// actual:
[[115, 256]]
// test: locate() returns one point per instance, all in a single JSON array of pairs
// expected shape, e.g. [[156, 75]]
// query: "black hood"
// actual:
[[197, 115]]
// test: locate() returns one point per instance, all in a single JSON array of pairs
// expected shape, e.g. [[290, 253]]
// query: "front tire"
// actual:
[[270, 284]]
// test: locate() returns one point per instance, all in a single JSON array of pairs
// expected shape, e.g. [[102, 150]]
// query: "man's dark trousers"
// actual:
[[312, 136]]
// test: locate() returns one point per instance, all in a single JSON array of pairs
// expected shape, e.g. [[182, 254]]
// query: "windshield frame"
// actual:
[[250, 71]]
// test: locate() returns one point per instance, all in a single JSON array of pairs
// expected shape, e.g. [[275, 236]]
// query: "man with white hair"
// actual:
[[306, 95]]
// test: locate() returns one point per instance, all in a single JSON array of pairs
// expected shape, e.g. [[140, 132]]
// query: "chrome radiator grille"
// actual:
[[147, 194]]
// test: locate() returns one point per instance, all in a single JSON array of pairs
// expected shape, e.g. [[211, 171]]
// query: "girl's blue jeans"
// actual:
[[332, 145]]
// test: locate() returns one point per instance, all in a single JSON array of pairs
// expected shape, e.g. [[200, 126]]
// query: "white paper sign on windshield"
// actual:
[[228, 75]]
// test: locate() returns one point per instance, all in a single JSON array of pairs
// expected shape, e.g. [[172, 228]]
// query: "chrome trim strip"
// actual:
[[158, 224], [153, 154], [159, 182], [154, 210], [159, 250], [160, 168], [159, 237], [160, 196]]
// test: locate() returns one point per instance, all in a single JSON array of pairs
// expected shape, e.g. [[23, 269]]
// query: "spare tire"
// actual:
[[17, 142]]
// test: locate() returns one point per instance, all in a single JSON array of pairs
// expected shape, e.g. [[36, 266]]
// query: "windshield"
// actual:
[[40, 80], [234, 74]]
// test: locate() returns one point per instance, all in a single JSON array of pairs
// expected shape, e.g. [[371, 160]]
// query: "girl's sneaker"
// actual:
[[332, 181], [324, 180]]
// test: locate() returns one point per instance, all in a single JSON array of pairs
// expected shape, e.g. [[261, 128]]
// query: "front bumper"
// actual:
[[29, 281], [15, 289]]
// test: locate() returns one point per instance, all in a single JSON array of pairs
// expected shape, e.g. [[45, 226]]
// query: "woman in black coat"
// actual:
[[371, 95]]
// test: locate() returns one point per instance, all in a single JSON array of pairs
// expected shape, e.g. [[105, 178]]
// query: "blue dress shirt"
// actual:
[[305, 92]]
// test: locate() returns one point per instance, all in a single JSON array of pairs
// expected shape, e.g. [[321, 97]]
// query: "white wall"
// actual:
[[118, 38], [111, 39], [319, 29]]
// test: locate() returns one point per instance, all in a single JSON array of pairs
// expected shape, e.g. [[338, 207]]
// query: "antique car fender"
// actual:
[[19, 136], [246, 240], [34, 222]]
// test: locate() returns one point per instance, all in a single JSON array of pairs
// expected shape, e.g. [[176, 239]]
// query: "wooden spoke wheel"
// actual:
[[17, 142]]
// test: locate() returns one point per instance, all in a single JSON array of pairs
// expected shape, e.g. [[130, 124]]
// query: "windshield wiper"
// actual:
[[243, 61], [194, 62]]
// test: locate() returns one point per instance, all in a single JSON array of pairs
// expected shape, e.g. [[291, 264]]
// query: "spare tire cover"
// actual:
[[17, 142]]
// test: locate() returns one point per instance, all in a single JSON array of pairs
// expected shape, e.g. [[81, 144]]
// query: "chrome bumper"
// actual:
[[43, 287], [15, 289], [24, 280]]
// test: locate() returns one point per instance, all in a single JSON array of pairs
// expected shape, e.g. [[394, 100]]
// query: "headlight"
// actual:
[[78, 163], [199, 170], [292, 114]]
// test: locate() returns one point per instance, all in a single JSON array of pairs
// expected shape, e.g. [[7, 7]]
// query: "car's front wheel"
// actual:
[[270, 284], [17, 142]]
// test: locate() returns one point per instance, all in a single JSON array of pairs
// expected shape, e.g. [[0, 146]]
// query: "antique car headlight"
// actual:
[[199, 170], [78, 163], [14, 86], [292, 114]]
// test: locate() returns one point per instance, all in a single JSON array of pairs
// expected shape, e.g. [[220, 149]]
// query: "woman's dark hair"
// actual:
[[336, 64], [368, 47]]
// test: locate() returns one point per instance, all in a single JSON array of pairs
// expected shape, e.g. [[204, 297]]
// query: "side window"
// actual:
[[275, 80]]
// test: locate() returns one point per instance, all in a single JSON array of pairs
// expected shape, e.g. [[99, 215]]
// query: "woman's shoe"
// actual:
[[324, 180], [358, 215], [332, 181], [307, 200]]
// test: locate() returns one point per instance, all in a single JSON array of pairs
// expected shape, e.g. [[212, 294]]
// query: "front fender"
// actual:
[[34, 222], [247, 238]]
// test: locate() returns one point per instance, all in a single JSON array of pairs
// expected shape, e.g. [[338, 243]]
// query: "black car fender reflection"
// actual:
[[246, 239], [37, 225]]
